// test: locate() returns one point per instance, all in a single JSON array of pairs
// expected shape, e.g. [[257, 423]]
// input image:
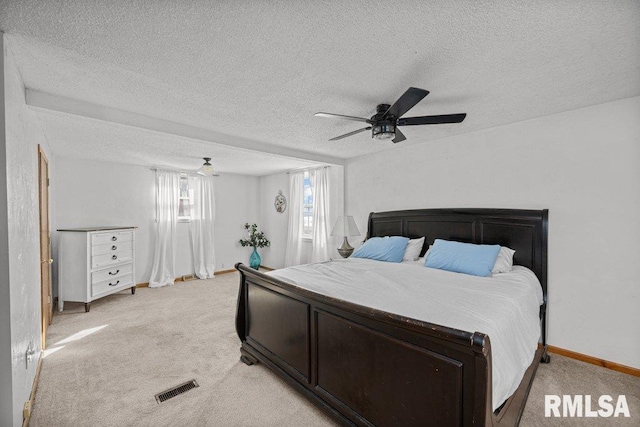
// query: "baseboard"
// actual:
[[233, 270], [28, 406], [192, 277], [594, 361], [184, 278]]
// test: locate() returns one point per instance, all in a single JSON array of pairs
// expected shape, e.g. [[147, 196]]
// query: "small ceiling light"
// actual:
[[207, 169]]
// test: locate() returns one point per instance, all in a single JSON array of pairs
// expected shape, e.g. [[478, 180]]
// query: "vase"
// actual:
[[254, 259]]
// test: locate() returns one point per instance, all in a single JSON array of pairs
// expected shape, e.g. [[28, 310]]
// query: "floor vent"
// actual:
[[174, 391]]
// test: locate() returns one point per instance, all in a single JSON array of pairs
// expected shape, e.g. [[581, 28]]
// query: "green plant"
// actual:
[[256, 238]]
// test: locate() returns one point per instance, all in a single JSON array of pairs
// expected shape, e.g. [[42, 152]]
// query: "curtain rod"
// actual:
[[307, 169]]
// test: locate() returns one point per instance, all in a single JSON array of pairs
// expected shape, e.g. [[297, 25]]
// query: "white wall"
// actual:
[[274, 224], [336, 206], [6, 391], [91, 193], [237, 202], [583, 165], [19, 297]]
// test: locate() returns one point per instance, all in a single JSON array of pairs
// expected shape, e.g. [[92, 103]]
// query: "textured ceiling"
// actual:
[[84, 138], [258, 71]]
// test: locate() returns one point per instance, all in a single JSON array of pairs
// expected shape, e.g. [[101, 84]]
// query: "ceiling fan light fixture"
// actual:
[[384, 123], [383, 131], [207, 168]]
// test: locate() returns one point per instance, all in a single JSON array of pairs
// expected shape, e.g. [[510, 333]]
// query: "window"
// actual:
[[307, 208], [186, 200]]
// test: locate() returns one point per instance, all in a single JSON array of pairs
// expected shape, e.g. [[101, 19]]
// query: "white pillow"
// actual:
[[504, 261], [412, 251], [426, 254]]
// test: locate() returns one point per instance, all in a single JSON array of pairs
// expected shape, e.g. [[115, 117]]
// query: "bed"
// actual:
[[365, 365]]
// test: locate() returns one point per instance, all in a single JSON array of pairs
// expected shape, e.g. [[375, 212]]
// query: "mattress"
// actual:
[[505, 306]]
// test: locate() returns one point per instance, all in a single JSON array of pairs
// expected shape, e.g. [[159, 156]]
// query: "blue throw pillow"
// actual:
[[467, 258], [390, 249]]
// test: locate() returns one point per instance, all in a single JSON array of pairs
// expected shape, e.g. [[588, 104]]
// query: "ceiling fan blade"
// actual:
[[399, 137], [350, 133], [407, 101], [341, 116], [431, 120]]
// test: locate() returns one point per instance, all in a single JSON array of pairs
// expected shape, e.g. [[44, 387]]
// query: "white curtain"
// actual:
[[293, 252], [163, 271], [201, 226], [320, 190]]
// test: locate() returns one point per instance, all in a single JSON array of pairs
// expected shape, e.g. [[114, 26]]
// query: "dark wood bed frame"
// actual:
[[368, 367]]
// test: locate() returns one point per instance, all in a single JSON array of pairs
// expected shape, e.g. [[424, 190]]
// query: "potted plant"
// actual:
[[256, 240]]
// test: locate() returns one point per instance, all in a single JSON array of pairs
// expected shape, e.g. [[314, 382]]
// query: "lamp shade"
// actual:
[[345, 226], [207, 168]]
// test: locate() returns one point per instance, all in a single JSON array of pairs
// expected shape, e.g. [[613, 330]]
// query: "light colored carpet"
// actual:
[[103, 368]]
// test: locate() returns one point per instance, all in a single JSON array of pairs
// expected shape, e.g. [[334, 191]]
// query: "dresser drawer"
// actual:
[[111, 248], [111, 273], [110, 259], [112, 237], [110, 285]]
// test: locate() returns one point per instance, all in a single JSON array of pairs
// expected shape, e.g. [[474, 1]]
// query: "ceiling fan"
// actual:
[[384, 124]]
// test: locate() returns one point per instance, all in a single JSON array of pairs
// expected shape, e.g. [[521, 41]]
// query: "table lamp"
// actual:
[[345, 226]]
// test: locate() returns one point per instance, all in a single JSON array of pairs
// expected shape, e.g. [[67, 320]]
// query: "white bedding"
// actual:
[[505, 306]]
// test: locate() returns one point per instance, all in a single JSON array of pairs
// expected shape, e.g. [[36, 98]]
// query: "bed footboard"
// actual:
[[364, 366]]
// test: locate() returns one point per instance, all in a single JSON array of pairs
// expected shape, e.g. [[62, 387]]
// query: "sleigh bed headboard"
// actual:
[[525, 231]]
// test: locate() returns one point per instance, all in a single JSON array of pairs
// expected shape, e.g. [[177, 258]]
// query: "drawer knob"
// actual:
[[114, 238], [114, 284], [113, 274], [114, 257], [114, 247]]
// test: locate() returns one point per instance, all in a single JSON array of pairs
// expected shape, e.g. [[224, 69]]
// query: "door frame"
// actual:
[[46, 295]]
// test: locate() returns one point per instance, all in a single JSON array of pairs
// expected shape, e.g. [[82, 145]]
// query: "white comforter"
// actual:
[[504, 306]]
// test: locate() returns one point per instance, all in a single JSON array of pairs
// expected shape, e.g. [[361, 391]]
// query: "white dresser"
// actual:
[[95, 262]]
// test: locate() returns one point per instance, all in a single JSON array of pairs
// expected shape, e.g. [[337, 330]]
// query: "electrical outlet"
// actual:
[[222, 265]]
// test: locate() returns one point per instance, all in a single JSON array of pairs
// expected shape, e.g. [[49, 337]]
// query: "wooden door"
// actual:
[[45, 244]]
